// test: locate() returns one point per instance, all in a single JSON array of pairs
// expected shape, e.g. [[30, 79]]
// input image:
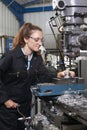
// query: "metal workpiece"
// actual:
[[69, 108], [60, 113], [75, 106]]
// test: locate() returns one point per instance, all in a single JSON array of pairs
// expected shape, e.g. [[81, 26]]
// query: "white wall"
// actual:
[[8, 23], [42, 19], [9, 26]]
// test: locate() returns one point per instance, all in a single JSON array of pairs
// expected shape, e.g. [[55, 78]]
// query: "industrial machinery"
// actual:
[[70, 20], [61, 102], [64, 102]]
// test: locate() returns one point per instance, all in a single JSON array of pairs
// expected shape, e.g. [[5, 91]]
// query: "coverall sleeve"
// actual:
[[4, 64], [44, 75]]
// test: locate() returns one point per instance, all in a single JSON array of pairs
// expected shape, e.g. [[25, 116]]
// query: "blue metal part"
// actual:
[[55, 89], [37, 9], [31, 2], [8, 42], [59, 87], [16, 9]]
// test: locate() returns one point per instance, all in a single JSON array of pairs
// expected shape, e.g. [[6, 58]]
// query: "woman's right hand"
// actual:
[[11, 104], [62, 74]]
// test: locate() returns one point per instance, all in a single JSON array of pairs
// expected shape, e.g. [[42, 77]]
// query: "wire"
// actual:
[[20, 112]]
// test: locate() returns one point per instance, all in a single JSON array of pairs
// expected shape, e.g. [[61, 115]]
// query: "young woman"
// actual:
[[22, 67]]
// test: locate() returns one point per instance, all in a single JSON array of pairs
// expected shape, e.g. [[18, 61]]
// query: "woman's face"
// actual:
[[35, 41]]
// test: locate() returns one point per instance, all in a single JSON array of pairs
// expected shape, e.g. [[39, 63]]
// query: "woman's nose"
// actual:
[[40, 42]]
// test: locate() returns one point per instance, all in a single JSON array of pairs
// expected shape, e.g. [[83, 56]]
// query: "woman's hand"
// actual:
[[10, 104], [62, 74]]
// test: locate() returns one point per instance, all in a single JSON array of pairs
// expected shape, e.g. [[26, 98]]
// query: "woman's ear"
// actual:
[[26, 40]]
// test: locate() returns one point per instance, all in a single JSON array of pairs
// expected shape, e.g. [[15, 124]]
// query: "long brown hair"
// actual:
[[24, 32]]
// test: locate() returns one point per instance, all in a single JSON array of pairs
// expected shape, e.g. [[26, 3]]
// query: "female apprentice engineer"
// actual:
[[21, 67]]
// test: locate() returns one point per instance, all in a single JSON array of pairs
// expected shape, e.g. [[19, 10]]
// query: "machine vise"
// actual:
[[58, 87]]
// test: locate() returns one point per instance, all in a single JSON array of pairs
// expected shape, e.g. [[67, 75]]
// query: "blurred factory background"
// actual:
[[64, 24]]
